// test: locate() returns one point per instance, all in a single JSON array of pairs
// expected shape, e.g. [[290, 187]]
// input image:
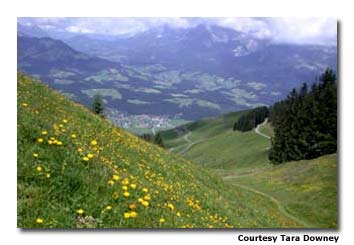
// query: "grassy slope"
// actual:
[[306, 190], [55, 180]]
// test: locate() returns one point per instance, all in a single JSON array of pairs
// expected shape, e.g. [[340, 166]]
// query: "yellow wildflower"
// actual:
[[93, 142], [140, 200], [59, 142], [133, 186], [126, 194], [170, 205], [39, 169], [85, 159], [132, 206], [115, 195], [65, 121], [133, 214], [39, 220], [124, 188], [73, 136], [50, 142], [24, 104], [35, 155], [80, 211], [47, 175], [125, 181], [145, 203], [110, 182], [126, 215], [44, 132], [39, 140], [147, 197], [178, 214], [109, 207], [79, 149], [145, 190], [162, 220], [90, 155], [115, 177]]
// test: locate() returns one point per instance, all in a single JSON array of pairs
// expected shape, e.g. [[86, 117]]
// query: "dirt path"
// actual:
[[280, 207], [260, 133]]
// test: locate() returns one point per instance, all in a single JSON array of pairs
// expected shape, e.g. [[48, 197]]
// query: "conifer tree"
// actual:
[[97, 105]]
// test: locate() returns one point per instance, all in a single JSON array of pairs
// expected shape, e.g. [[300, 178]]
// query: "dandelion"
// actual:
[[93, 142], [85, 159], [145, 190], [132, 206], [147, 197], [133, 214], [115, 177], [124, 188], [109, 207], [79, 149], [126, 194], [133, 186], [65, 121], [170, 205], [50, 142], [140, 200], [110, 182], [59, 142], [178, 214], [145, 203], [39, 169], [44, 132], [73, 136], [90, 155], [47, 175], [162, 220], [126, 215], [115, 195], [39, 220], [35, 155], [24, 104], [39, 140], [80, 211], [125, 181]]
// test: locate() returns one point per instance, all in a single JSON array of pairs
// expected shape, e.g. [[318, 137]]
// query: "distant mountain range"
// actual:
[[193, 73]]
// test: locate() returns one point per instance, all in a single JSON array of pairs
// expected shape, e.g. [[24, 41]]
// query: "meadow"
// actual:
[[77, 170]]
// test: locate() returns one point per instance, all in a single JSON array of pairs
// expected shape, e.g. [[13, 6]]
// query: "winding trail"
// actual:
[[190, 143], [280, 207], [260, 125]]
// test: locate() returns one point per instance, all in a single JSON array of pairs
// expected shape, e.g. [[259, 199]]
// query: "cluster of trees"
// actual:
[[251, 119], [156, 139], [305, 123]]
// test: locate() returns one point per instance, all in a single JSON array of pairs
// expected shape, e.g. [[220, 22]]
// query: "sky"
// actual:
[[321, 31]]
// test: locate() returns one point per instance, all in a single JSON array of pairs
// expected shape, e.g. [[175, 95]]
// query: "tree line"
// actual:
[[305, 123], [251, 119]]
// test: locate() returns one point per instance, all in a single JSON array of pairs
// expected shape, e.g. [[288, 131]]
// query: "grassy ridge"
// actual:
[[77, 170]]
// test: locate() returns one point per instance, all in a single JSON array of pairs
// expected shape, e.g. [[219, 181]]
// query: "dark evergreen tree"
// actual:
[[158, 140], [97, 105], [305, 123]]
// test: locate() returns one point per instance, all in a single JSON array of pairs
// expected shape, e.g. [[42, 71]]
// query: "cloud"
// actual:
[[280, 30]]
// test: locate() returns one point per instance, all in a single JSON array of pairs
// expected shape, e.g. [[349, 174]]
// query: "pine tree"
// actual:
[[97, 105], [158, 140]]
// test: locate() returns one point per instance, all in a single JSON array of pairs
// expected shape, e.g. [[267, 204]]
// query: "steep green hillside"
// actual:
[[305, 191], [78, 170]]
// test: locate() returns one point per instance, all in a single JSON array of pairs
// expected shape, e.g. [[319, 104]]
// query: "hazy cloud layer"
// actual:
[[283, 30]]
